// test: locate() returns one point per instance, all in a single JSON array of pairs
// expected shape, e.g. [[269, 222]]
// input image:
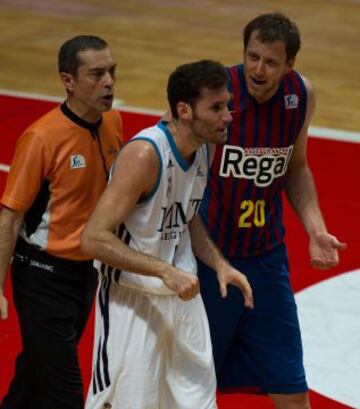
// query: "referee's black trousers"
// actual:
[[53, 301]]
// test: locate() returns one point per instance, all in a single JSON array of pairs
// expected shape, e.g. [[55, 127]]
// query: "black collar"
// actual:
[[92, 127]]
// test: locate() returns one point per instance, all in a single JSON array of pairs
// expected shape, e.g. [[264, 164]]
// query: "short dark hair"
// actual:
[[68, 59], [275, 26], [187, 81]]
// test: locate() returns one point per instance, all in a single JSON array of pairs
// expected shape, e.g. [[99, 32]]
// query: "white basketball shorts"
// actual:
[[150, 352]]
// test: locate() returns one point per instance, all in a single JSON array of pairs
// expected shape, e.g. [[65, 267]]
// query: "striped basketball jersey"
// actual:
[[58, 173], [159, 225], [242, 206]]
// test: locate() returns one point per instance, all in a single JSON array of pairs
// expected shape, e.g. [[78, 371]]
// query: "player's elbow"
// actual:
[[87, 241]]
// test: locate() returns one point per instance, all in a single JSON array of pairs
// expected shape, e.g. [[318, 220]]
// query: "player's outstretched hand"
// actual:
[[185, 285], [229, 275], [324, 249]]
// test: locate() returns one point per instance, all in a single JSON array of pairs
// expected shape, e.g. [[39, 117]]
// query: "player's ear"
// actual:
[[68, 80], [184, 111]]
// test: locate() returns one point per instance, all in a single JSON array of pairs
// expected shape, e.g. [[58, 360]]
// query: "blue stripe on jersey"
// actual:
[[184, 165], [270, 122], [303, 101], [282, 123], [208, 155], [112, 273], [278, 205], [293, 115], [115, 274], [97, 372], [103, 268], [102, 376]]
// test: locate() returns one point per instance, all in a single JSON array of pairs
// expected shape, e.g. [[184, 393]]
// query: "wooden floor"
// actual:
[[150, 37]]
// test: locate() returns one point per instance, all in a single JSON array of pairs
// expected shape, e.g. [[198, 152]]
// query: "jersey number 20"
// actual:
[[252, 213]]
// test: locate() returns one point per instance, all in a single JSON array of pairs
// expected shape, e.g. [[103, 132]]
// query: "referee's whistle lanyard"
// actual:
[[96, 137]]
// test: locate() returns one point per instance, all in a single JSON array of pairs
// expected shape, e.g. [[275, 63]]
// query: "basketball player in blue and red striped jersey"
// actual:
[[260, 350]]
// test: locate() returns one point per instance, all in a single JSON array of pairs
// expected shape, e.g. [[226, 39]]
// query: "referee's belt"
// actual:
[[28, 254]]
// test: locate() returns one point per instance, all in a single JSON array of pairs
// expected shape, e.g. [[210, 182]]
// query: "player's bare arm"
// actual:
[[301, 193], [135, 175], [10, 222], [205, 249]]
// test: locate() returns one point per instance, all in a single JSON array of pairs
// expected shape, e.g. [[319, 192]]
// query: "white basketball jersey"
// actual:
[[159, 225]]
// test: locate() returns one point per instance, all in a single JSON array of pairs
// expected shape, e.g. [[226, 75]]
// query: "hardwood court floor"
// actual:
[[150, 37]]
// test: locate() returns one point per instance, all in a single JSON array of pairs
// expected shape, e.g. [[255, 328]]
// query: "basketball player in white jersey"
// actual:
[[152, 344]]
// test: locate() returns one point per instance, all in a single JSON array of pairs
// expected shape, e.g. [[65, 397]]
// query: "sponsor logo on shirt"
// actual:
[[262, 165], [77, 161], [291, 101], [174, 218]]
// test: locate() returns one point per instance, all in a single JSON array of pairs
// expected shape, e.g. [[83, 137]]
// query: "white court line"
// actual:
[[118, 103], [314, 131]]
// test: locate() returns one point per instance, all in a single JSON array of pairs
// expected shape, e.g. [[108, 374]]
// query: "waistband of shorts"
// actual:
[[29, 254]]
